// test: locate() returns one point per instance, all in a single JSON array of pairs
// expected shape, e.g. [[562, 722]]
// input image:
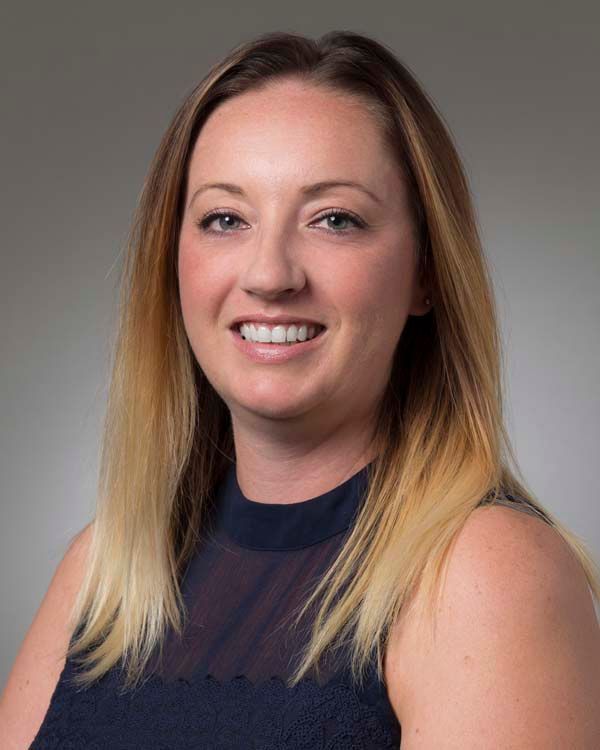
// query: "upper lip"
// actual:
[[273, 320]]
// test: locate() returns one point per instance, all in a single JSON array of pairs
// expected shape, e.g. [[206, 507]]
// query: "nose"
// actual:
[[272, 268]]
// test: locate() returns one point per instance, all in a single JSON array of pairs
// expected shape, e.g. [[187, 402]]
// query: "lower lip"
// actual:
[[261, 352]]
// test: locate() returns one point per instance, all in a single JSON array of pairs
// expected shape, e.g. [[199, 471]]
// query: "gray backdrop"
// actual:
[[88, 91]]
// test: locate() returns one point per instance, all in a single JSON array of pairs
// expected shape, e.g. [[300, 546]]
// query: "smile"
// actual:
[[275, 352]]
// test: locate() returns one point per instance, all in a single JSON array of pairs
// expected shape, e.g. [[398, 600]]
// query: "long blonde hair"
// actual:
[[440, 439]]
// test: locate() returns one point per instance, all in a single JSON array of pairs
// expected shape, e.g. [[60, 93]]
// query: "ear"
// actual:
[[421, 293]]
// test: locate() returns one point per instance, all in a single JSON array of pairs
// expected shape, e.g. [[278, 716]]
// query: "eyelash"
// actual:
[[205, 221]]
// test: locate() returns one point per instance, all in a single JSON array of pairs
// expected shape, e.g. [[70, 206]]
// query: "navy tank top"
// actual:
[[222, 684]]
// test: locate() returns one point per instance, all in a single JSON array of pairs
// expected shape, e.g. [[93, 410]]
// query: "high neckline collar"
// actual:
[[287, 526]]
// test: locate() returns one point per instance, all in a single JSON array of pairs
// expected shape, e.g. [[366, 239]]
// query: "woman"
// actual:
[[291, 547]]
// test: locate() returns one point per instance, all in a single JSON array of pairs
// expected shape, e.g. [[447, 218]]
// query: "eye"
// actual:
[[339, 213], [334, 213], [207, 220]]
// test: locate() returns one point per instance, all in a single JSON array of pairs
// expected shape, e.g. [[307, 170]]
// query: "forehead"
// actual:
[[294, 127]]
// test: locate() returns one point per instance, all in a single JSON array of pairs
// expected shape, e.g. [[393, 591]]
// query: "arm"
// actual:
[[40, 659], [516, 661]]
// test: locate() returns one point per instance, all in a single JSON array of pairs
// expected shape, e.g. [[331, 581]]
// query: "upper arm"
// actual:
[[41, 657], [515, 662]]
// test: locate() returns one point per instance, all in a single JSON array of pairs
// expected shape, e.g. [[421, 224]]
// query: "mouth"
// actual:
[[269, 352], [319, 330]]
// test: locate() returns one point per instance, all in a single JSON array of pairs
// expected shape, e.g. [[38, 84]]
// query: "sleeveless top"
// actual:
[[222, 684]]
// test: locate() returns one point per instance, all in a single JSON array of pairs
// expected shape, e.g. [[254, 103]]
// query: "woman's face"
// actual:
[[274, 252]]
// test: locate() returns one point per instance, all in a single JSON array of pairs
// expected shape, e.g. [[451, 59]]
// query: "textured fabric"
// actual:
[[206, 713], [222, 684]]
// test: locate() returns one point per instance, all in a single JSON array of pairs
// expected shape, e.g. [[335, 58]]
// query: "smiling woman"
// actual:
[[280, 255], [304, 433]]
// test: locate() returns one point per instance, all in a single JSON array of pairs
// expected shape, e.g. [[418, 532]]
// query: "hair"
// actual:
[[440, 440]]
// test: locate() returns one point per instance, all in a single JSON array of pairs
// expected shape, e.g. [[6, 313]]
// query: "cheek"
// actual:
[[199, 280], [378, 296], [188, 276], [196, 288], [189, 263]]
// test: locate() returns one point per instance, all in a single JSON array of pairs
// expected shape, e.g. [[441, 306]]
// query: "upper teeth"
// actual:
[[279, 333]]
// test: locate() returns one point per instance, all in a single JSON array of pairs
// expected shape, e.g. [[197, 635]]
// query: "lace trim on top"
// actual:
[[206, 714]]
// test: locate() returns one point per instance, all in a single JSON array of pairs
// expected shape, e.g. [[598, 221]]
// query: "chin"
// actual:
[[269, 407]]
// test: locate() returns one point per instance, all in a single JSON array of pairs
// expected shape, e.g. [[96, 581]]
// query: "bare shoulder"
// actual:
[[41, 657], [515, 661]]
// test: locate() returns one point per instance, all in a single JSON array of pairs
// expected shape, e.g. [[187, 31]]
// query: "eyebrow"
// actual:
[[308, 190]]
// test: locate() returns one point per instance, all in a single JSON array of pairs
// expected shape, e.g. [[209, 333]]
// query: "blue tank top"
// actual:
[[223, 683]]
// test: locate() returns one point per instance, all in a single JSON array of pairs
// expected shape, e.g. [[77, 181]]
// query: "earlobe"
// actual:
[[422, 307], [422, 297]]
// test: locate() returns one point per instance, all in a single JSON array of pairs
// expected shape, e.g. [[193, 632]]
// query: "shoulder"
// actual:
[[502, 554], [516, 656], [41, 656]]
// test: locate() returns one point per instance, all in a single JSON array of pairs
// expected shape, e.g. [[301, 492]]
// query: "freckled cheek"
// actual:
[[190, 277], [375, 302], [189, 262], [202, 290]]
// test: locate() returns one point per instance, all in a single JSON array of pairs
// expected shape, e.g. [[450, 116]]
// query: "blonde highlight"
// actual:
[[440, 441]]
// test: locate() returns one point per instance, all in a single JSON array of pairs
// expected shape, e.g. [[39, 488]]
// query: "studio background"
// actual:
[[88, 92]]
